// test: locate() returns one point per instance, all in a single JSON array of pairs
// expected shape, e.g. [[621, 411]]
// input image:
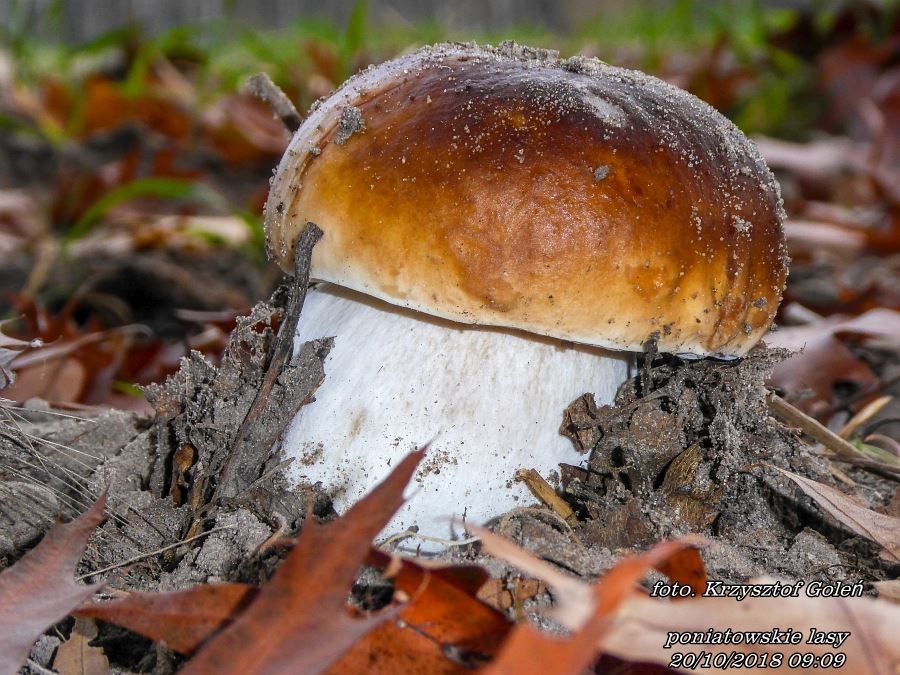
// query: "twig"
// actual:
[[546, 494], [261, 86], [843, 451], [868, 412], [275, 536], [412, 534], [229, 480], [841, 476], [143, 556]]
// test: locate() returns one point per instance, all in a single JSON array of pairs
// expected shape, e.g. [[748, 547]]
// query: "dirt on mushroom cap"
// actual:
[[472, 194]]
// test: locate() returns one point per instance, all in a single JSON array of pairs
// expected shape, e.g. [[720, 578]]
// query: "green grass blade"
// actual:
[[164, 188]]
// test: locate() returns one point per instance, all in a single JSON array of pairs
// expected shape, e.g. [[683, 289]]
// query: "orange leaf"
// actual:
[[299, 621], [443, 628], [182, 619], [40, 589], [685, 567]]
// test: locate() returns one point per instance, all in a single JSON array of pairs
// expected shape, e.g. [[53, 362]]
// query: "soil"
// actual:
[[688, 448], [684, 449]]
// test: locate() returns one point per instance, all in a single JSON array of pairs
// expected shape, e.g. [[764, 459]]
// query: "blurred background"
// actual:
[[133, 169]]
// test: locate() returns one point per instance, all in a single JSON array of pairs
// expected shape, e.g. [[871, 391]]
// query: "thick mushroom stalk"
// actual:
[[489, 399], [553, 200]]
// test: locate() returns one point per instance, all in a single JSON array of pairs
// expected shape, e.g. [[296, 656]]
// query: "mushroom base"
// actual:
[[489, 401]]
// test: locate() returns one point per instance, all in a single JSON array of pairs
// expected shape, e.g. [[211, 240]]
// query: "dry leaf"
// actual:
[[573, 606], [442, 617], [40, 589], [888, 590], [299, 621], [242, 130], [883, 530], [820, 162], [508, 593], [10, 348], [443, 629], [808, 237], [685, 567], [182, 619], [76, 656], [825, 358]]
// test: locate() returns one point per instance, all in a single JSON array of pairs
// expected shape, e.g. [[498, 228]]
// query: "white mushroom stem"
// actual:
[[490, 400]]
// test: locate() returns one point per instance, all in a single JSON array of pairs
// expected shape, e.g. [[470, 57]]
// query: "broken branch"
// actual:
[[545, 493], [262, 87], [242, 456]]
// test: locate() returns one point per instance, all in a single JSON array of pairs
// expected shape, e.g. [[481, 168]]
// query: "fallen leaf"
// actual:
[[243, 130], [509, 593], [685, 567], [76, 656], [573, 606], [529, 651], [808, 378], [644, 625], [61, 381], [822, 358], [183, 620], [40, 589], [819, 162], [881, 323], [888, 590], [442, 629], [19, 216], [107, 107], [299, 621], [883, 530], [428, 633], [806, 237]]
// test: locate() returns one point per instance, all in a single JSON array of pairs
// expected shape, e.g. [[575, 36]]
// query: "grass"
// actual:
[[171, 189]]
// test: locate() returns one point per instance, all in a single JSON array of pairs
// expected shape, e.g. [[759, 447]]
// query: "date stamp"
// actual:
[[738, 660]]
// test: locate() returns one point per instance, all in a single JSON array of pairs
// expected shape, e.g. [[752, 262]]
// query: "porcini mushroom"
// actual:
[[495, 221]]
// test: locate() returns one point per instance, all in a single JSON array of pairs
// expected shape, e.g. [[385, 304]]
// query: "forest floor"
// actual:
[[143, 331]]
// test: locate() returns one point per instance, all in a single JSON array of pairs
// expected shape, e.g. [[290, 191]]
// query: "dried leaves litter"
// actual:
[[849, 512], [182, 620], [299, 621]]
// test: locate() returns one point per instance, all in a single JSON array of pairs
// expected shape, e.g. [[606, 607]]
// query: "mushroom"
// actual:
[[496, 221]]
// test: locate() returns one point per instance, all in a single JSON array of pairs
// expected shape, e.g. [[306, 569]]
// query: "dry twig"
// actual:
[[150, 554], [229, 484], [261, 86], [843, 451], [545, 493]]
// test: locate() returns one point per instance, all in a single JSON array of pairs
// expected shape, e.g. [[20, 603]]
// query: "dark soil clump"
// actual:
[[688, 448]]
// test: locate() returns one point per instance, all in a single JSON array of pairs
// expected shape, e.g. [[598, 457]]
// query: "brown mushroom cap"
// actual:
[[562, 197]]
